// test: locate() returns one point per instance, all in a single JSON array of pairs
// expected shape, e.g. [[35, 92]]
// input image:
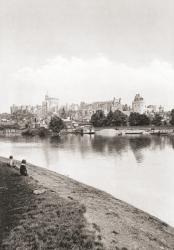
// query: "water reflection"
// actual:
[[104, 145], [171, 141], [109, 145], [137, 144], [115, 145]]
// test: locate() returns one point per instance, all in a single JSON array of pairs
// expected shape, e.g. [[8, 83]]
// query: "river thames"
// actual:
[[135, 169]]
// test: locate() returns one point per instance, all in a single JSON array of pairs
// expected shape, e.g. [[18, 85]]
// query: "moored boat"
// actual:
[[87, 129], [134, 133], [159, 132], [131, 132]]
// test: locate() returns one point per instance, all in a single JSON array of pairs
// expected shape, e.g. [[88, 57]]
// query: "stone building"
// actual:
[[116, 105], [138, 105], [50, 105], [26, 108]]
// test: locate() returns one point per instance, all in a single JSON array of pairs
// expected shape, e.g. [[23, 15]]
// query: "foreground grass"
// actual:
[[44, 221]]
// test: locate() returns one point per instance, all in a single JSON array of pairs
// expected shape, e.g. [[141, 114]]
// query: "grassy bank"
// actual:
[[71, 215], [45, 221]]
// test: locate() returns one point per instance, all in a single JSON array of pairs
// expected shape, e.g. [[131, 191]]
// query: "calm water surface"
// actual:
[[136, 169]]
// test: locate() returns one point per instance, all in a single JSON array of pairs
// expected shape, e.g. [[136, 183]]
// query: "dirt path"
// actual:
[[116, 224], [120, 225]]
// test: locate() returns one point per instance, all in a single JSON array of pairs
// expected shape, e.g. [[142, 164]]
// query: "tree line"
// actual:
[[118, 118]]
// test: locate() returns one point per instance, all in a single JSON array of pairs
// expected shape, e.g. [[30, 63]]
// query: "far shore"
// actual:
[[117, 224], [162, 127], [46, 133]]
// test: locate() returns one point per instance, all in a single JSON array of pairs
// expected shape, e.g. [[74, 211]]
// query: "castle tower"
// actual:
[[138, 104]]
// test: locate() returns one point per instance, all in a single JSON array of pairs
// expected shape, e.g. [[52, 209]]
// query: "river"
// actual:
[[136, 169]]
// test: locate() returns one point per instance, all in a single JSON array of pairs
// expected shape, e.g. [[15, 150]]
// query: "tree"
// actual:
[[43, 132], [116, 118], [98, 119], [157, 120], [144, 120], [109, 118], [172, 117], [56, 124], [63, 113], [119, 118], [136, 119]]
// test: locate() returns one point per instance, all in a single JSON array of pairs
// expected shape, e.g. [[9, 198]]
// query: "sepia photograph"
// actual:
[[86, 125]]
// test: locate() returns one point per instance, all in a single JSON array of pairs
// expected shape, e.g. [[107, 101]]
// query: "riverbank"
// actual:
[[40, 221], [110, 223], [135, 128], [43, 132]]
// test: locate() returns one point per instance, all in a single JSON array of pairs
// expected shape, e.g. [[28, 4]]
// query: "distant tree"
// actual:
[[27, 125], [119, 118], [136, 119], [144, 120], [172, 117], [56, 124], [157, 120], [109, 118], [43, 132], [165, 123], [116, 118], [98, 119], [63, 114]]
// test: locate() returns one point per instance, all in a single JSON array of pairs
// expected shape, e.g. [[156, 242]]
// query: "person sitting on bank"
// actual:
[[11, 161], [23, 168]]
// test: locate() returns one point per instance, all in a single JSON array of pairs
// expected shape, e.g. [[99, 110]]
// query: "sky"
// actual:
[[86, 50]]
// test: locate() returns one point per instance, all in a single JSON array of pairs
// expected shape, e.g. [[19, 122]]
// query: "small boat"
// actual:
[[129, 132], [85, 130], [134, 133], [159, 132], [88, 131]]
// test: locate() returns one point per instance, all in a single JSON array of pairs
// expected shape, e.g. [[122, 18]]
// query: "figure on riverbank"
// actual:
[[11, 161], [23, 168]]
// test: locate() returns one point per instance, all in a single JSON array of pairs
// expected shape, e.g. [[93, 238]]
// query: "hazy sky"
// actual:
[[86, 50]]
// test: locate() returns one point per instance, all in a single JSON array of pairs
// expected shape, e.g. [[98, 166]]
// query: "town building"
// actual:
[[116, 105], [151, 109], [50, 105], [40, 115], [26, 108]]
